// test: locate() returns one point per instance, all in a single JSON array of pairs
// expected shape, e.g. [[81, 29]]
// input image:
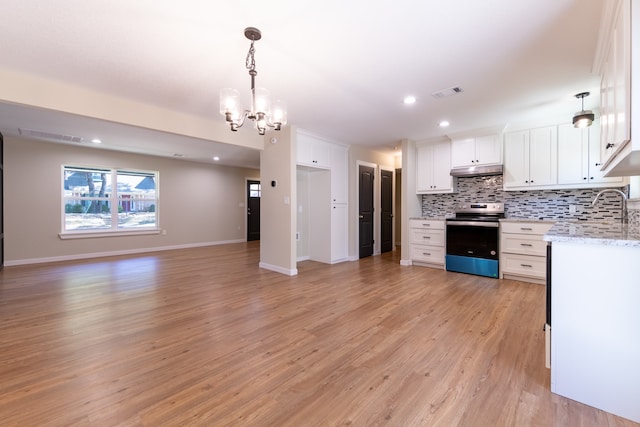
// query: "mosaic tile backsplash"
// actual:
[[537, 204]]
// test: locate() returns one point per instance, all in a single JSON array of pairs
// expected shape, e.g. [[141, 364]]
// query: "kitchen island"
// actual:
[[595, 315]]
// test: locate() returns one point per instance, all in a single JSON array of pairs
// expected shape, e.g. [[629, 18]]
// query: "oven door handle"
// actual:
[[474, 224]]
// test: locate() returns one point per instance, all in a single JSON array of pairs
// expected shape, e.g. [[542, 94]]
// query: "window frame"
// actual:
[[114, 198]]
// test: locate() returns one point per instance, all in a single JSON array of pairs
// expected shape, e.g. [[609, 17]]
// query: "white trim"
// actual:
[[406, 262], [115, 253], [633, 204], [278, 269], [107, 233]]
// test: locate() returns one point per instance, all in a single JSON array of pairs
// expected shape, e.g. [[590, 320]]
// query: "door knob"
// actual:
[[361, 216]]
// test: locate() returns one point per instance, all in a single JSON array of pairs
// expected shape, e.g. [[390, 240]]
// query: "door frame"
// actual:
[[244, 205]]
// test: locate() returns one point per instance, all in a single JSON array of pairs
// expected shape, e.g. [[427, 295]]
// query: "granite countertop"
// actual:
[[599, 233]]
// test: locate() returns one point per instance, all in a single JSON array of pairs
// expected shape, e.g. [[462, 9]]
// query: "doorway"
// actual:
[[365, 208], [254, 191], [386, 211]]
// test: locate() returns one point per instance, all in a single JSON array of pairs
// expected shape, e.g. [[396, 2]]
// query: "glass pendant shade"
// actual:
[[583, 119], [230, 102], [279, 113], [262, 101]]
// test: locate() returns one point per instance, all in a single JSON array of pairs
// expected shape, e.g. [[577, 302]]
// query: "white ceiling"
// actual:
[[343, 67]]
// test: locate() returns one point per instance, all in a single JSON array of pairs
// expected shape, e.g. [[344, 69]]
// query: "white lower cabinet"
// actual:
[[427, 242], [523, 253]]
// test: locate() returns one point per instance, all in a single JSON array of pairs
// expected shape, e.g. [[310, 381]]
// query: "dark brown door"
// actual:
[[365, 174], [254, 191], [386, 211]]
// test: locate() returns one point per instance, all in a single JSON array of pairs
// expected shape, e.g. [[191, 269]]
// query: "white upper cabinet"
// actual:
[[433, 167], [312, 151], [476, 151], [619, 96], [531, 160], [579, 158]]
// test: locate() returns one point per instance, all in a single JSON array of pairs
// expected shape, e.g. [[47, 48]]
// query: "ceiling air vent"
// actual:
[[446, 92], [49, 135]]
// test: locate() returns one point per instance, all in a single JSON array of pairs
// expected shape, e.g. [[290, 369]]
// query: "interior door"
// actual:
[[365, 208], [254, 191], [386, 211]]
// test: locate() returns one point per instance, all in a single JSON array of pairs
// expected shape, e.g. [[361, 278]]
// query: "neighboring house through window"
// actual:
[[103, 200]]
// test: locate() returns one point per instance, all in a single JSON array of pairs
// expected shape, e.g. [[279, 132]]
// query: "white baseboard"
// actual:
[[114, 253], [278, 269], [406, 262]]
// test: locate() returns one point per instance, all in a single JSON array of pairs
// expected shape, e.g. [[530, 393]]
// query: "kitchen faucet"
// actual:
[[623, 213]]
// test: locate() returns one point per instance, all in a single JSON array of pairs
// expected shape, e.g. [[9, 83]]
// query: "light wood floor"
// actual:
[[204, 337]]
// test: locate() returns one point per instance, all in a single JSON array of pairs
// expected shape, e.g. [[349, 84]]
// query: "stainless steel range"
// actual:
[[473, 237]]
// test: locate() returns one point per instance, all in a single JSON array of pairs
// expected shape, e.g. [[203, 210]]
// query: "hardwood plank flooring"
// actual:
[[204, 337]]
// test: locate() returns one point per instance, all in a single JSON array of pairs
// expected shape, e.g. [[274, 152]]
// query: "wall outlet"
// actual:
[[573, 208]]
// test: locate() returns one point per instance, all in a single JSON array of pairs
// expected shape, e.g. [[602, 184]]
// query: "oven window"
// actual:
[[473, 241]]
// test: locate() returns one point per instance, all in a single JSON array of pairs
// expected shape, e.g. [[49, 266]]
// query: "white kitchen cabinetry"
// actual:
[[523, 253], [313, 151], [339, 174], [476, 151], [594, 325], [433, 167], [322, 197], [619, 96], [579, 158], [531, 159], [426, 242]]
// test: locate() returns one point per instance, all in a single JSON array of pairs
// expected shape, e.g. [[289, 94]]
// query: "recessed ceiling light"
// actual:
[[444, 124], [216, 158], [96, 141], [408, 100]]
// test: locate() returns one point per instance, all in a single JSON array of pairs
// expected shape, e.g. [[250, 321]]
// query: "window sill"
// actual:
[[106, 233]]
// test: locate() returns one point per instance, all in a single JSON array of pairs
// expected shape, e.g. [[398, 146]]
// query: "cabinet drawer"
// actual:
[[433, 224], [523, 244], [426, 237], [539, 228], [525, 265], [424, 253]]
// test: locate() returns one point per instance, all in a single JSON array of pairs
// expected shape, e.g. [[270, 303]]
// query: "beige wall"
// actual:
[[199, 204], [277, 206]]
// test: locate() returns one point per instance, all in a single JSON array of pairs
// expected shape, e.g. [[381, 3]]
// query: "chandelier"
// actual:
[[263, 112]]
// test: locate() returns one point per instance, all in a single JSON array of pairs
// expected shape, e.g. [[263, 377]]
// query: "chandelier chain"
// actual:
[[250, 61]]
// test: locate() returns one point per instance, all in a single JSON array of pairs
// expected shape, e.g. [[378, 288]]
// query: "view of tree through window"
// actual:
[[109, 199]]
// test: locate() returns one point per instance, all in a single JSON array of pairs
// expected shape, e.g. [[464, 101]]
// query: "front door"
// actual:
[[386, 211], [254, 191], [365, 178]]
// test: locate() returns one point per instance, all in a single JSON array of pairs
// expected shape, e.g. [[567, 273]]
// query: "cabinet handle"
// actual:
[[426, 254], [526, 244], [426, 237], [526, 265], [526, 228], [609, 145], [598, 164], [591, 178], [584, 177], [426, 225]]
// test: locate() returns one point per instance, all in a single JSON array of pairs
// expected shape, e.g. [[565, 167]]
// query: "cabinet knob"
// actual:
[[609, 145], [584, 177]]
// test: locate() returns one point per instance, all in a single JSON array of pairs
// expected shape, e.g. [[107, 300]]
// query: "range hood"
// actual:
[[477, 170]]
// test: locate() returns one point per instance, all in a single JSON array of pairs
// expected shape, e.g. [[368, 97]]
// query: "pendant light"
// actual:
[[262, 112], [583, 118]]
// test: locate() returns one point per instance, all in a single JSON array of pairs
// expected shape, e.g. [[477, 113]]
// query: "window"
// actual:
[[102, 200]]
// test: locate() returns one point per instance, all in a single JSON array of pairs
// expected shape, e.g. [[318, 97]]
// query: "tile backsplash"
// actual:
[[536, 204]]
